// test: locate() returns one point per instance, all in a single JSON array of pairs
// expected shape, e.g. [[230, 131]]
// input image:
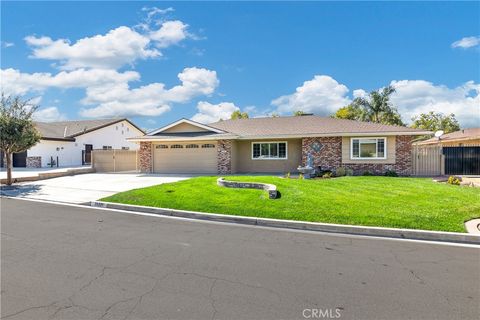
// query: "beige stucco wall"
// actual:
[[243, 163], [234, 155], [185, 127], [390, 152]]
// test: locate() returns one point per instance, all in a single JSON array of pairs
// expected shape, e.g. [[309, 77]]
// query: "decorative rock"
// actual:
[[272, 189], [34, 162]]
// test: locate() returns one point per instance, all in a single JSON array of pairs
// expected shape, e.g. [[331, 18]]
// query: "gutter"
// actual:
[[283, 136]]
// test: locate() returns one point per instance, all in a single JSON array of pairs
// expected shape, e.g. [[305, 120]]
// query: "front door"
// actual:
[[20, 159], [87, 154]]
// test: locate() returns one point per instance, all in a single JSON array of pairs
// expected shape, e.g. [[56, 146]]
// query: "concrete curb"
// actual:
[[50, 175], [299, 225]]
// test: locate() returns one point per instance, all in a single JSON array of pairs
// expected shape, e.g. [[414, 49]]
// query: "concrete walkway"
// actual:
[[86, 187]]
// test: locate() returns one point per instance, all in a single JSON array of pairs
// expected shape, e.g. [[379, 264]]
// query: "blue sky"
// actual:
[[155, 62]]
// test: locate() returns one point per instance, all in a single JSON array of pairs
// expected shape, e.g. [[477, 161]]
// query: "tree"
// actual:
[[17, 131], [237, 114], [375, 108], [298, 113], [434, 121], [350, 112]]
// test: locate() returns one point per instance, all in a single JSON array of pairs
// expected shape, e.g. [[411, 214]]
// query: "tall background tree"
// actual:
[[237, 114], [299, 113], [377, 107], [17, 131], [435, 121]]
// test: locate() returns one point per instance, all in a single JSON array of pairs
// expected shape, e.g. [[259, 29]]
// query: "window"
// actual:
[[191, 146], [368, 148], [161, 146], [176, 146], [208, 145], [107, 147], [125, 148], [269, 150]]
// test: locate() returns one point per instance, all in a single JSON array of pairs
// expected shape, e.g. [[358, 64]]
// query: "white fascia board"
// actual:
[[193, 123]]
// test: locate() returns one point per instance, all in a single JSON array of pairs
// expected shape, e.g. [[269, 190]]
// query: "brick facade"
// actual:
[[224, 156], [145, 157], [327, 153], [34, 162]]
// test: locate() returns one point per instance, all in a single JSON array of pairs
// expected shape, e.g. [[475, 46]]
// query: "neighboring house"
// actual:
[[277, 144], [462, 138], [70, 143]]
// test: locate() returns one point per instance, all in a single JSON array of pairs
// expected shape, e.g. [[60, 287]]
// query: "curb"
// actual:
[[300, 225]]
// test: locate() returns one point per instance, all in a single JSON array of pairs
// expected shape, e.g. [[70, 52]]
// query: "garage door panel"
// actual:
[[185, 160]]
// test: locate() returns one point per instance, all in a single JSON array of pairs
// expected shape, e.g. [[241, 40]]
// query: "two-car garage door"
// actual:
[[185, 158]]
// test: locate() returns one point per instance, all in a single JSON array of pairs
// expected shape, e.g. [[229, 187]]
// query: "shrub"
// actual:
[[391, 173], [287, 175], [349, 172], [300, 176], [367, 173], [454, 180], [340, 172], [327, 175]]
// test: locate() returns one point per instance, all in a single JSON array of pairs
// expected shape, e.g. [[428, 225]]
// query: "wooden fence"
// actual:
[[114, 160], [428, 161]]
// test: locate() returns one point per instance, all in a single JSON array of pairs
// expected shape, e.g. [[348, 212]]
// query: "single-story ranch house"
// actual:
[[461, 138], [70, 143], [277, 144]]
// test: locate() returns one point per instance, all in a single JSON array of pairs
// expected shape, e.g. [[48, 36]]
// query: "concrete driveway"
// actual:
[[87, 187]]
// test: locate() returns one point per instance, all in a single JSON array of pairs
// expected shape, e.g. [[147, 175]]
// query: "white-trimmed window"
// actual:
[[368, 148], [269, 150]]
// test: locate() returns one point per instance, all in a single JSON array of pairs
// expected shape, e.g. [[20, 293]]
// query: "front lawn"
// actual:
[[413, 203]]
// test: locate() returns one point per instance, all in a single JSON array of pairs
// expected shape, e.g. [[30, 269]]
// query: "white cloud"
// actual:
[[360, 93], [149, 100], [13, 81], [322, 95], [170, 33], [413, 97], [6, 44], [118, 47], [209, 113], [467, 42], [49, 114]]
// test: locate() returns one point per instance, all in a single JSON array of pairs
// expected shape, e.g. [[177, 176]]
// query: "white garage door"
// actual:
[[185, 158]]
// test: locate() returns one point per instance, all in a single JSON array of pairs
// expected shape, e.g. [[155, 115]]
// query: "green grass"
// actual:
[[413, 203]]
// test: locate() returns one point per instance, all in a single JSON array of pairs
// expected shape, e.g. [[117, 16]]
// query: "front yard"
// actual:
[[413, 203]]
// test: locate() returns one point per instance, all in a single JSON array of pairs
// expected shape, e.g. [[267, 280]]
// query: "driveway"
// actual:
[[64, 262], [87, 187]]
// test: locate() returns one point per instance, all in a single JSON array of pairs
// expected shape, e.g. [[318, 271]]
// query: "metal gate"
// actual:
[[462, 160]]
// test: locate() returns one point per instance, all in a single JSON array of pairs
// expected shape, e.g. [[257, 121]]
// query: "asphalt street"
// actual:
[[64, 262]]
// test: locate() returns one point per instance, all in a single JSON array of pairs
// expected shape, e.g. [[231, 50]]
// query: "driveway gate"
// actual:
[[462, 160]]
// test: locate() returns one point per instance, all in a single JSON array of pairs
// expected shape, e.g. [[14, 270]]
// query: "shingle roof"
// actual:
[[465, 134], [305, 126], [70, 129]]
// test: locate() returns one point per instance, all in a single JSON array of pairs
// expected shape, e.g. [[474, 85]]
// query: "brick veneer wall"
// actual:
[[224, 156], [145, 157], [330, 156], [34, 162]]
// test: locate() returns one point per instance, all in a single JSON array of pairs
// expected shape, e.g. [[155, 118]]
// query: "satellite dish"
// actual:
[[438, 133]]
